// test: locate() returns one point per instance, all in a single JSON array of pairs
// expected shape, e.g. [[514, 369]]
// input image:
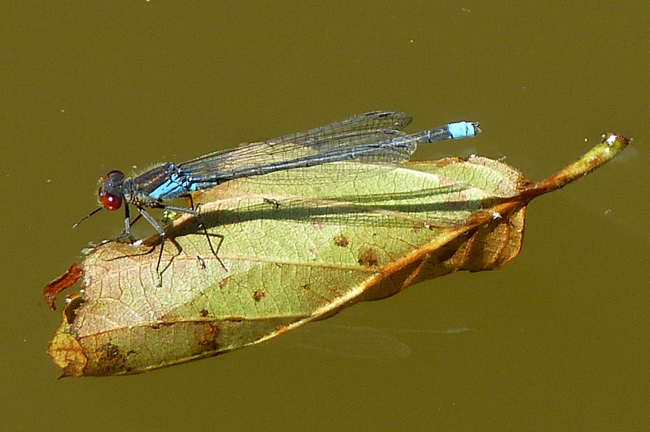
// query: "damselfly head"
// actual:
[[110, 193]]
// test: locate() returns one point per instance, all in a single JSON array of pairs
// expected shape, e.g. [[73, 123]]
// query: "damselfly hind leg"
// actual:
[[199, 217], [163, 237]]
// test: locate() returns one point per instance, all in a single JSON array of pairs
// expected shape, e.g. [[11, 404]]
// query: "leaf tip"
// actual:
[[67, 353], [615, 141]]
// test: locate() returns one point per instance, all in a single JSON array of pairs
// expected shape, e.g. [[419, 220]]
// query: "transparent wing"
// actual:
[[355, 131]]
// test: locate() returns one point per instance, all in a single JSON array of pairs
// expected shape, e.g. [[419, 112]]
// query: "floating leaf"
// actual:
[[289, 254]]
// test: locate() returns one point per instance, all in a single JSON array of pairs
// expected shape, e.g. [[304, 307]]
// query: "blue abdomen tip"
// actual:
[[461, 130]]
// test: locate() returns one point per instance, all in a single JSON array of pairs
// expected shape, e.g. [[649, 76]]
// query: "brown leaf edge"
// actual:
[[66, 280], [598, 155]]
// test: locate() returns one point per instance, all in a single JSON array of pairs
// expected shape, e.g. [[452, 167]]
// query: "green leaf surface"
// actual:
[[292, 253]]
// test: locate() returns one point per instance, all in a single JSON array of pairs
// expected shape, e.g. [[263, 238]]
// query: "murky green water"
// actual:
[[557, 340]]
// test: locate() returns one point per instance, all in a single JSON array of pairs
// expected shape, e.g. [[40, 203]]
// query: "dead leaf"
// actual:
[[293, 254]]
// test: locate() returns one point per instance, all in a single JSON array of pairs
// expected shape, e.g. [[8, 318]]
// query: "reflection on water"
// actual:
[[354, 341]]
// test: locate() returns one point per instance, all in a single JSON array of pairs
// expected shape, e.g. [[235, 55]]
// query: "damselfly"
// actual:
[[374, 137]]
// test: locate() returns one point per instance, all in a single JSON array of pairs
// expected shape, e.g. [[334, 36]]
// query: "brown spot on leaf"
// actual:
[[66, 280], [110, 359], [223, 282], [206, 337], [259, 295], [368, 257], [341, 241], [203, 313]]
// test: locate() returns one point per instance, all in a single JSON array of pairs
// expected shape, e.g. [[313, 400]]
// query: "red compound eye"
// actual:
[[110, 193], [109, 200]]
